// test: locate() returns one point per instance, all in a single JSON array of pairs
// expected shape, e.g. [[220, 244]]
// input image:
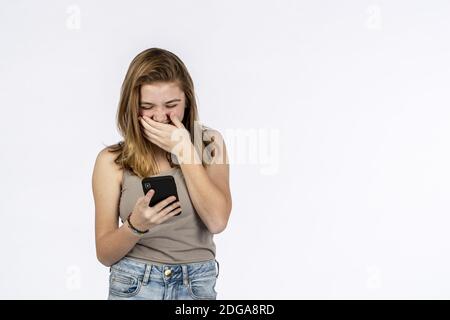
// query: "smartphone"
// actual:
[[164, 187]]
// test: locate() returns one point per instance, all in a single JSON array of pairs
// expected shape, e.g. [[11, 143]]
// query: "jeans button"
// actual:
[[168, 272]]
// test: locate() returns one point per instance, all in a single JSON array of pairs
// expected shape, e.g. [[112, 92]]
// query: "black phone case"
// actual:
[[164, 187]]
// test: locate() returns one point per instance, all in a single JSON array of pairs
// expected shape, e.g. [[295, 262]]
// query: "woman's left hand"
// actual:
[[171, 138]]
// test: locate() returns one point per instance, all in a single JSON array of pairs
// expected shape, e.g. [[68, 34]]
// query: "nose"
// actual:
[[160, 118]]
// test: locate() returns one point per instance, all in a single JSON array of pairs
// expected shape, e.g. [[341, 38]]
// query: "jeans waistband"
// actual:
[[159, 270]]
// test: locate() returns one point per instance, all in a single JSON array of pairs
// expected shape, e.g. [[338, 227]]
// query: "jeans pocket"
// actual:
[[203, 288], [124, 284]]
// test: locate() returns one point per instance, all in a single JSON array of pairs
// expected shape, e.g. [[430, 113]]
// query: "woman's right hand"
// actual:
[[145, 217]]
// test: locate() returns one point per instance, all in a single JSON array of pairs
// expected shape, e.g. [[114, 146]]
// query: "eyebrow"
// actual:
[[152, 104]]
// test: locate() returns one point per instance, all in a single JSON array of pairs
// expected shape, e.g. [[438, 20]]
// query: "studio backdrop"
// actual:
[[335, 115]]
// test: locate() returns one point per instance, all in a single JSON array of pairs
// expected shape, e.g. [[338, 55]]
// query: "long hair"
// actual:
[[135, 152]]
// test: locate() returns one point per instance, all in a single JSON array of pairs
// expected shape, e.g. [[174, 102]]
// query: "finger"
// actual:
[[148, 196], [176, 121], [170, 215], [162, 204], [153, 138], [155, 125], [168, 209], [149, 126]]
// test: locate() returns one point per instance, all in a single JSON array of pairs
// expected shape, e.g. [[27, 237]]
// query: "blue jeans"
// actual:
[[135, 280]]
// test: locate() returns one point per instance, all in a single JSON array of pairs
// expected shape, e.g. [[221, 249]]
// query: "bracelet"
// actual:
[[136, 231]]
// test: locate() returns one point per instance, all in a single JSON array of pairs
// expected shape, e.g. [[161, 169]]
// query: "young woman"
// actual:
[[156, 253]]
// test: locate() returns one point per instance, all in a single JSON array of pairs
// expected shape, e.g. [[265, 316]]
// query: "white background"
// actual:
[[357, 92]]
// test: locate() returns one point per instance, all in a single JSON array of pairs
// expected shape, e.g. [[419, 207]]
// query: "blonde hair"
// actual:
[[135, 152]]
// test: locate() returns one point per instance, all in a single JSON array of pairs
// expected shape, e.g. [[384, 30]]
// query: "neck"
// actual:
[[159, 153]]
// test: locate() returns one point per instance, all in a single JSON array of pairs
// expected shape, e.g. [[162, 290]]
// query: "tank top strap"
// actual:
[[125, 174]]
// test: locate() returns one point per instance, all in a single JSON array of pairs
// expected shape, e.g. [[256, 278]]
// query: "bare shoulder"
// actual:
[[106, 167], [216, 152], [106, 186], [210, 134], [106, 181]]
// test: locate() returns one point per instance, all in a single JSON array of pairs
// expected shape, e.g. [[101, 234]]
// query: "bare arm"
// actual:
[[112, 242], [209, 187]]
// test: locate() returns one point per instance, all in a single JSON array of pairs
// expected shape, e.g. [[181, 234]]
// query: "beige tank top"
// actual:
[[181, 239]]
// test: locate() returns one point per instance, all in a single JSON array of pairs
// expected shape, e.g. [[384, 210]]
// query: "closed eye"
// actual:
[[149, 107]]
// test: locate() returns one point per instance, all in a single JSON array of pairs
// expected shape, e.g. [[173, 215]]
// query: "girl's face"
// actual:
[[159, 99]]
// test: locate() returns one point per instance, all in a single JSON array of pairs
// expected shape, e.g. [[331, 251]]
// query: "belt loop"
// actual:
[[148, 269], [185, 274], [218, 268]]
